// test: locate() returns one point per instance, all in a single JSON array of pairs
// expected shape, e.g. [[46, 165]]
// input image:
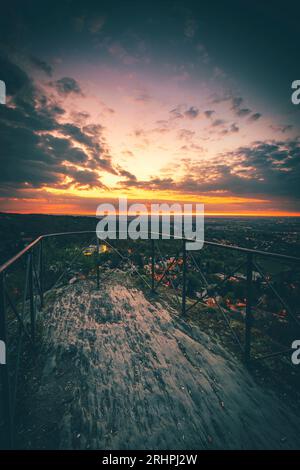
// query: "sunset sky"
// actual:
[[175, 101]]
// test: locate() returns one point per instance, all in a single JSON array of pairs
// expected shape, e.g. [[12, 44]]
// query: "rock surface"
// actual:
[[124, 373]]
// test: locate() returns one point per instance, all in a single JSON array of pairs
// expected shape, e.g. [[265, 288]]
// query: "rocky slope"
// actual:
[[119, 372]]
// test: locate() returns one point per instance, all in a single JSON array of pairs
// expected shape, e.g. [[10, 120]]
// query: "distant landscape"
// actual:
[[278, 234]]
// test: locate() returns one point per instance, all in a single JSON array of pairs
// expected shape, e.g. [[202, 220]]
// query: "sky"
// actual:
[[154, 101]]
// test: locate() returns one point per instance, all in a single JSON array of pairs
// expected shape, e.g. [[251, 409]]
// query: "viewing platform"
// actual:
[[117, 371], [112, 348]]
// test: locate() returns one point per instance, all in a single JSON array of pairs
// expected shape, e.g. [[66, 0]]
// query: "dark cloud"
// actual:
[[181, 111], [14, 77], [42, 65], [236, 107], [140, 133], [142, 98], [191, 147], [79, 136], [237, 102], [264, 168], [185, 134], [233, 128], [220, 98], [152, 184], [283, 129], [209, 112], [85, 179], [80, 117], [243, 112], [67, 85], [176, 113], [218, 122], [192, 112], [58, 149], [38, 150], [255, 117], [126, 174], [161, 130]]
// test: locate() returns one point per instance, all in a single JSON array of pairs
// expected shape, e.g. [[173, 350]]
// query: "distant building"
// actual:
[[92, 249]]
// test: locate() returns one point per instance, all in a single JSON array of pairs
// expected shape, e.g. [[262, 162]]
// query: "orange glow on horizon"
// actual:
[[85, 202], [64, 209]]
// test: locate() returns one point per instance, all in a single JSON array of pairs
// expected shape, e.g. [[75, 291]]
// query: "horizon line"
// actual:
[[206, 214]]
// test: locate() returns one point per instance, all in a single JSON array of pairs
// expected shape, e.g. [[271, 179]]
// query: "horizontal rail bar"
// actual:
[[240, 249], [35, 242], [271, 355], [19, 255], [206, 242]]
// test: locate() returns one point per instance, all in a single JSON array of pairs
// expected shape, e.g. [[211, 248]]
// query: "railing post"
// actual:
[[41, 274], [152, 265], [248, 319], [97, 263], [5, 411], [183, 307], [31, 297]]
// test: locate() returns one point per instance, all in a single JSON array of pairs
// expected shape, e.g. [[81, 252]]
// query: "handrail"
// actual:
[[29, 247], [241, 249], [15, 258]]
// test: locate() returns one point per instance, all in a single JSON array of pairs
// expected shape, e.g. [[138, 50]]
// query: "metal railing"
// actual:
[[25, 310]]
